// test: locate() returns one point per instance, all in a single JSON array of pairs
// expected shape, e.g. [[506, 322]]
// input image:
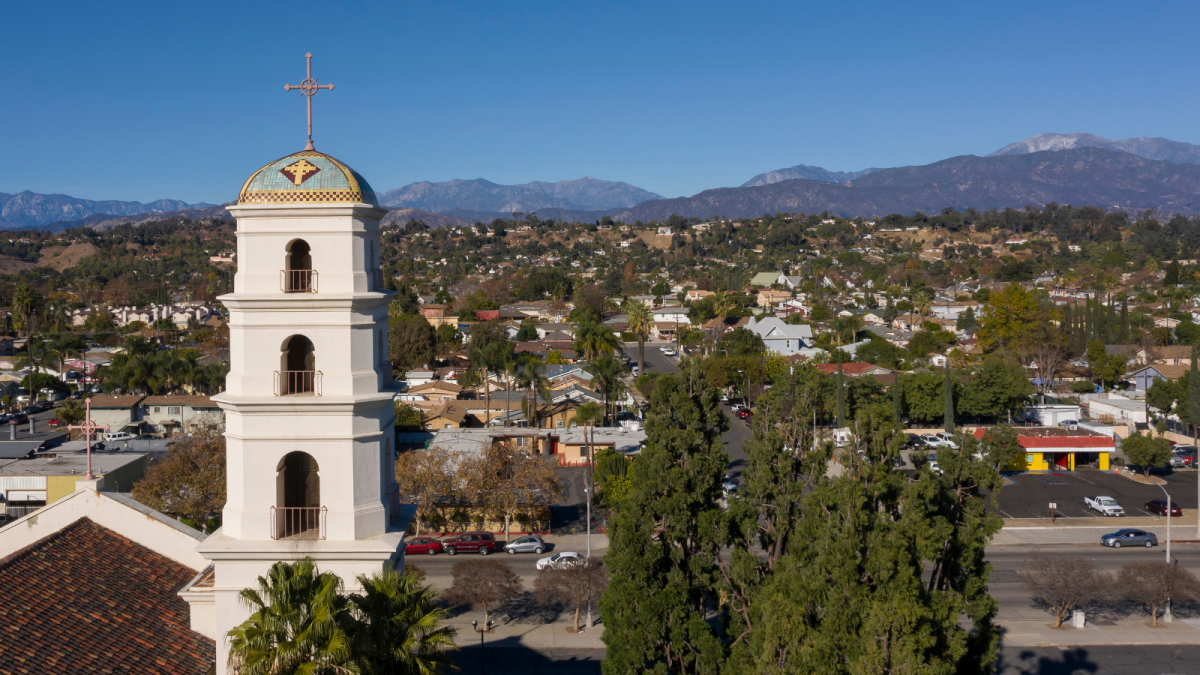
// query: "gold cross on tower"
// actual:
[[308, 88]]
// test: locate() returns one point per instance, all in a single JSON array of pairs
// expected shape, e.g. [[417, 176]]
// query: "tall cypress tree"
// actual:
[[1124, 320], [1193, 399], [896, 409], [841, 397], [666, 535], [948, 395]]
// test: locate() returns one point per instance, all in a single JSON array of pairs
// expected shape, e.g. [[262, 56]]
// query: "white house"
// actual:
[[782, 338]]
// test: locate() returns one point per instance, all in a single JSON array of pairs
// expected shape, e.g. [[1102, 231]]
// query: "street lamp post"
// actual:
[[486, 629], [1160, 487]]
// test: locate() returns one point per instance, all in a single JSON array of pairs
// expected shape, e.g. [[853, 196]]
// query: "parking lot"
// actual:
[[1028, 495]]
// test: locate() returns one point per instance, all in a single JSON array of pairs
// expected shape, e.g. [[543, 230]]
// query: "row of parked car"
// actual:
[[485, 543]]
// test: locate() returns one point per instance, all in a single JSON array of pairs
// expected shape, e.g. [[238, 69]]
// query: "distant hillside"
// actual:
[[104, 221], [585, 194], [1080, 176], [806, 172], [1148, 148], [30, 210]]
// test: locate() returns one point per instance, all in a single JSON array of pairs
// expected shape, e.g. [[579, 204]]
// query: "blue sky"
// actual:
[[184, 100]]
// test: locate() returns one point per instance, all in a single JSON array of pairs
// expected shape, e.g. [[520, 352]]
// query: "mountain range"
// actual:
[[1148, 148], [808, 173], [30, 210], [1077, 168], [1078, 176], [585, 194]]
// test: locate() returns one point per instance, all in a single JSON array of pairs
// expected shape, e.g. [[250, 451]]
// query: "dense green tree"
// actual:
[[994, 390], [527, 332], [411, 342], [666, 535], [1108, 368], [1146, 452], [923, 397], [948, 397], [866, 572], [741, 342]]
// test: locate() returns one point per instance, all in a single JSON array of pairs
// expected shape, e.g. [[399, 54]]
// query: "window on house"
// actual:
[[448, 426], [157, 410], [559, 424], [429, 426], [173, 410]]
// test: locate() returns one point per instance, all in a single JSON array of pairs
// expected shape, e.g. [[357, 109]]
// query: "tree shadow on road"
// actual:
[[525, 609], [1044, 662]]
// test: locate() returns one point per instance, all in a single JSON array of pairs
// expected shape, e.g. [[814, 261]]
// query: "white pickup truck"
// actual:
[[1106, 505]]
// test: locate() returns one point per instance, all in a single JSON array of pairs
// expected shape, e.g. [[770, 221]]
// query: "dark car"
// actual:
[[18, 418], [1159, 506], [426, 545], [745, 414], [481, 542], [31, 409], [1129, 538]]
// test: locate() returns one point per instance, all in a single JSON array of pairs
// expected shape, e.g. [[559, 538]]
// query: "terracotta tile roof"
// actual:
[[184, 399], [1058, 437], [87, 600], [109, 401]]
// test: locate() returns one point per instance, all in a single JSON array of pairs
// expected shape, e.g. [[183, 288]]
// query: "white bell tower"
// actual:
[[309, 415]]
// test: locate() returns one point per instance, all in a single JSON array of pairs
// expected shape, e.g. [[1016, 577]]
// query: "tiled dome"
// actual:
[[307, 177]]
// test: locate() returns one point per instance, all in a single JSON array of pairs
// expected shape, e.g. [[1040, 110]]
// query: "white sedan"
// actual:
[[560, 560]]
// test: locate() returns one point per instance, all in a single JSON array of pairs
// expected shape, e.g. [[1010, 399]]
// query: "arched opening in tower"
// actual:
[[299, 276], [298, 367]]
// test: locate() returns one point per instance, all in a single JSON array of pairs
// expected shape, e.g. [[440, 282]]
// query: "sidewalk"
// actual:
[[1134, 630]]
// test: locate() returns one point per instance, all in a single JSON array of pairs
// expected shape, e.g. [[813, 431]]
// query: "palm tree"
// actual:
[[593, 339], [25, 304], [507, 362], [640, 322], [531, 376], [607, 371], [923, 301], [397, 626], [297, 623], [484, 360]]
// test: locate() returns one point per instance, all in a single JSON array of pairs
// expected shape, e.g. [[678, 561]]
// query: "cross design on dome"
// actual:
[[308, 88], [88, 428], [300, 171]]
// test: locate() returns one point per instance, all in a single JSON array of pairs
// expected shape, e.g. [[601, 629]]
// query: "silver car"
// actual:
[[531, 543]]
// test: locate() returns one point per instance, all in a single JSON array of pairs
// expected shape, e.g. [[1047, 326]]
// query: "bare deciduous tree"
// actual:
[[482, 584], [1153, 584], [1062, 582], [576, 585], [189, 480], [507, 480], [424, 477]]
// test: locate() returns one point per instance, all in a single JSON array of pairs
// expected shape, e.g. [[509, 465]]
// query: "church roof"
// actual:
[[87, 600], [306, 177]]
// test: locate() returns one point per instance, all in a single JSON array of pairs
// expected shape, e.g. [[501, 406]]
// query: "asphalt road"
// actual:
[[440, 565], [505, 657], [739, 431]]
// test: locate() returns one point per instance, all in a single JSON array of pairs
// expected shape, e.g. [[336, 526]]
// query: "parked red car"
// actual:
[[480, 542], [1159, 506], [426, 545], [745, 414], [55, 422]]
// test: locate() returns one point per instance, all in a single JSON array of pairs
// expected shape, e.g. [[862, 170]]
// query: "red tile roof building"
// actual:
[[87, 600]]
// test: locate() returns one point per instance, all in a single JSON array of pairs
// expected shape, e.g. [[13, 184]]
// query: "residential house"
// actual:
[[771, 298], [172, 413], [438, 315], [781, 338], [1145, 377], [435, 392], [118, 412]]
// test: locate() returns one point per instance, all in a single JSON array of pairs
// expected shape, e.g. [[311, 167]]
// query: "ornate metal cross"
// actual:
[[88, 428], [308, 88]]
